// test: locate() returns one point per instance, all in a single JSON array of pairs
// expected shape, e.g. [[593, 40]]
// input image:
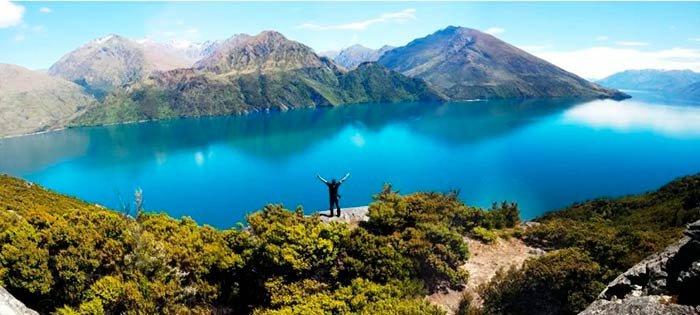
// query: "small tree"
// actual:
[[138, 202]]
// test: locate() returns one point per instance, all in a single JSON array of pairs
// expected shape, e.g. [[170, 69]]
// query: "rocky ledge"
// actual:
[[351, 216], [11, 306], [664, 283]]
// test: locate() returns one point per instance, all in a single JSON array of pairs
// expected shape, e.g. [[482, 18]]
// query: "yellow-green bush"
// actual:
[[483, 234], [59, 254], [561, 282]]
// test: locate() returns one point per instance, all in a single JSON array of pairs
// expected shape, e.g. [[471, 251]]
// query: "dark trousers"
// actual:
[[334, 202]]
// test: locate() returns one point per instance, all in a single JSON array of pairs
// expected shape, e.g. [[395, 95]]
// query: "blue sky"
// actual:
[[590, 39]]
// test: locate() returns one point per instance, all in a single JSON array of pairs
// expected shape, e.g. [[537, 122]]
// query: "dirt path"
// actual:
[[484, 261]]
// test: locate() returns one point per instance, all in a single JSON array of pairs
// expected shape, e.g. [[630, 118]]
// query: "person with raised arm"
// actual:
[[333, 191]]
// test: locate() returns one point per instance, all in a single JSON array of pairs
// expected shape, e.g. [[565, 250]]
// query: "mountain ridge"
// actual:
[[465, 63], [354, 55], [256, 73], [651, 79], [681, 84], [114, 61], [135, 79]]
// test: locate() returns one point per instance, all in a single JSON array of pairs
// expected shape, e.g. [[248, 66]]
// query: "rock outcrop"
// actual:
[[11, 306], [664, 283]]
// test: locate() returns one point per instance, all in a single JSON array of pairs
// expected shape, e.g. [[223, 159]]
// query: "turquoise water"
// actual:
[[542, 154]]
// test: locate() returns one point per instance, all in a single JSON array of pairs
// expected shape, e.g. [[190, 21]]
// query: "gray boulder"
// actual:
[[663, 283], [11, 306], [639, 305]]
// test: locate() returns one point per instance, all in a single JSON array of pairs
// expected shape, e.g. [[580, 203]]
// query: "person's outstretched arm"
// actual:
[[344, 177], [322, 179]]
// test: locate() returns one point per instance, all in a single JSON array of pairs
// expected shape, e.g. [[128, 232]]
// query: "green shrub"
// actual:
[[560, 282], [483, 234], [466, 305], [503, 215]]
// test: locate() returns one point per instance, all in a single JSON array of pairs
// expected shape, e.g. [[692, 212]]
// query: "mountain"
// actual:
[[467, 64], [267, 52], [256, 73], [115, 61], [690, 92], [354, 55], [184, 53], [32, 102], [651, 79]]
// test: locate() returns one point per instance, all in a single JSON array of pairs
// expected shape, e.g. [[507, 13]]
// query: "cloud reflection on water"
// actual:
[[627, 116]]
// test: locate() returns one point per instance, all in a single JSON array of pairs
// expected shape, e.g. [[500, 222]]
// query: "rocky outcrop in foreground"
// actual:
[[664, 283], [11, 306]]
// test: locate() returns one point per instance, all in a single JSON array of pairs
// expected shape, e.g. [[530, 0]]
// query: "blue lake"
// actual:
[[543, 154]]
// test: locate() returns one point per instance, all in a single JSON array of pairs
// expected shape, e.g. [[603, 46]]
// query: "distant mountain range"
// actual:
[[354, 55], [681, 83], [256, 73], [135, 80]]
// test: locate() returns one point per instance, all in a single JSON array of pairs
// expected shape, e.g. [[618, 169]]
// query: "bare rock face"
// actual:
[[11, 306], [639, 305], [664, 283]]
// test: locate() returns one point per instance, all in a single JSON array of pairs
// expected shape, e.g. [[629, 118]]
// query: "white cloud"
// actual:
[[399, 17], [599, 62], [495, 31], [602, 38], [168, 33], [191, 31], [46, 10], [632, 43], [694, 39], [19, 37], [10, 14]]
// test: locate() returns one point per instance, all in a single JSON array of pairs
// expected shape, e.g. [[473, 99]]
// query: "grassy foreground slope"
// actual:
[[60, 254]]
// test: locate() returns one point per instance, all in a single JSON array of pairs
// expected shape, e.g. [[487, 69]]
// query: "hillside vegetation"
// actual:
[[592, 243], [61, 254]]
